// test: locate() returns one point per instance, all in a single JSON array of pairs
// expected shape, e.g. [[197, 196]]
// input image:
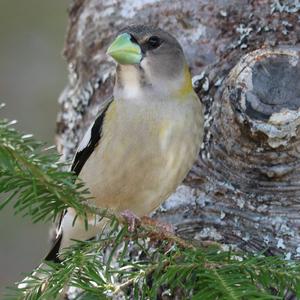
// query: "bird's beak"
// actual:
[[124, 51]]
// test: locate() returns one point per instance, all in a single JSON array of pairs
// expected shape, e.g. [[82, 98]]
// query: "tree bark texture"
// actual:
[[244, 189]]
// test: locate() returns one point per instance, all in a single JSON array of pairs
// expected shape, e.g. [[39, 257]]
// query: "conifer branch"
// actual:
[[138, 265]]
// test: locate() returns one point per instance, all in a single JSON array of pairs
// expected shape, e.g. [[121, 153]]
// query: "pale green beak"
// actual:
[[124, 51]]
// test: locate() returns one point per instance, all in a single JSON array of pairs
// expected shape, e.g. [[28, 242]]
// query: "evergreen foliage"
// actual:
[[145, 264]]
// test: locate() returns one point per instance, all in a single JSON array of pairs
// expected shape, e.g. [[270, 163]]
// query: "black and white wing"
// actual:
[[89, 142]]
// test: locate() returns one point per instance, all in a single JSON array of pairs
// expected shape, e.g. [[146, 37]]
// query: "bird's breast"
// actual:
[[143, 154]]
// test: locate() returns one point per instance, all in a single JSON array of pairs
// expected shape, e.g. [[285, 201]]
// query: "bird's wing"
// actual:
[[85, 149], [90, 139]]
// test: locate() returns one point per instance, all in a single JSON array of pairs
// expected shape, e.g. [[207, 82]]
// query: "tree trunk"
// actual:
[[244, 190]]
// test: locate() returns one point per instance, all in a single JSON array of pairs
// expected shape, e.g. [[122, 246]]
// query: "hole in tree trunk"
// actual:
[[276, 86]]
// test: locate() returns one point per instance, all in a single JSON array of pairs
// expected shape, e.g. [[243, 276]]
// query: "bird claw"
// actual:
[[163, 227], [132, 220]]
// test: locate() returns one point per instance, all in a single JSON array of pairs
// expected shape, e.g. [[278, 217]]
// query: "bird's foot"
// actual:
[[163, 227], [132, 220]]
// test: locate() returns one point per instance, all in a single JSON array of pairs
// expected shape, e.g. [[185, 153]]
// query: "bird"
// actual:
[[145, 138]]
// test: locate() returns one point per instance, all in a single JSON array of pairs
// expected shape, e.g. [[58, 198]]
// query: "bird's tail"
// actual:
[[53, 255], [66, 233]]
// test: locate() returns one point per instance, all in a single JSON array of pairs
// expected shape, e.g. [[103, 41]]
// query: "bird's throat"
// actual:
[[134, 83], [128, 82]]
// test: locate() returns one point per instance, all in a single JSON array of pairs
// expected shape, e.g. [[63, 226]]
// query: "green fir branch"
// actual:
[[138, 265], [32, 177], [206, 273]]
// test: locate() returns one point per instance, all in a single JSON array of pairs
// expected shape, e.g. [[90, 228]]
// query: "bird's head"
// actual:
[[149, 59]]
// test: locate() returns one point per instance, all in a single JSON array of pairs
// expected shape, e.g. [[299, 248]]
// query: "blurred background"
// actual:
[[32, 75]]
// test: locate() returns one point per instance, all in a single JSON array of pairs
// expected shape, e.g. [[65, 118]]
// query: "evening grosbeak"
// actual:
[[146, 137]]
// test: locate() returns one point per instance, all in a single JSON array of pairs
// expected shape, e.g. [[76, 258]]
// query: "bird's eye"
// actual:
[[154, 42]]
